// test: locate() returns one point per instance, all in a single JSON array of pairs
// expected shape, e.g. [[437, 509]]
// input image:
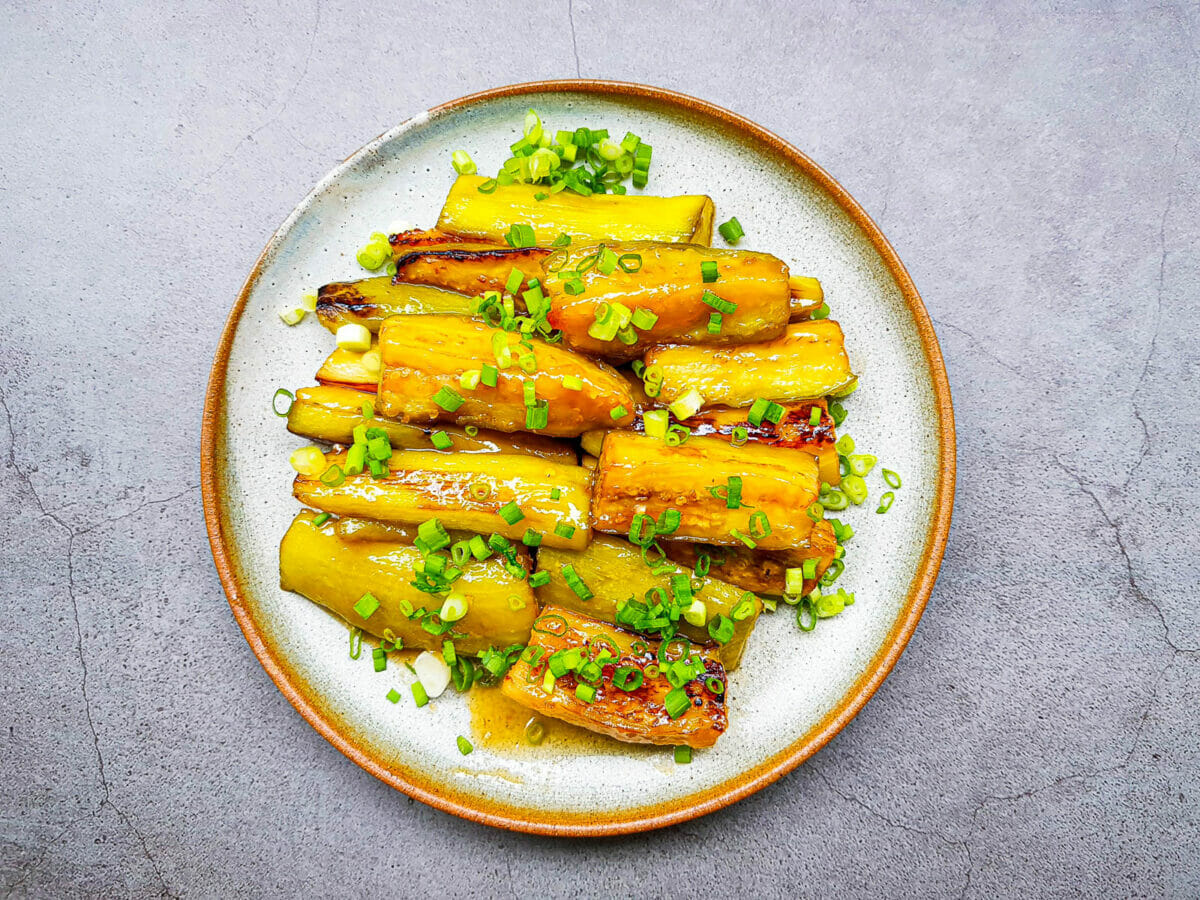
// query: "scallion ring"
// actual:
[[275, 402]]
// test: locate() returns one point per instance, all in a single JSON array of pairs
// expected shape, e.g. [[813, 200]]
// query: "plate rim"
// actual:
[[662, 813]]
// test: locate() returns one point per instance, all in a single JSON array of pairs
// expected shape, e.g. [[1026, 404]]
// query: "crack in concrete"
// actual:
[[105, 787], [979, 346], [1130, 571], [574, 42], [287, 98], [892, 823]]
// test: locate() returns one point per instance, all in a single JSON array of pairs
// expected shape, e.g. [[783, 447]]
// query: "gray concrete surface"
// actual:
[[1034, 165]]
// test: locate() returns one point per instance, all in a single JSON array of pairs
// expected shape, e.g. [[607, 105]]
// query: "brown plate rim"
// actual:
[[654, 815]]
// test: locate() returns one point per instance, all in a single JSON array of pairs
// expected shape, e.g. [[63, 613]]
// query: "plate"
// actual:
[[795, 690]]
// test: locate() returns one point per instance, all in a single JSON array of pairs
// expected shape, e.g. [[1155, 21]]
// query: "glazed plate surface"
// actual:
[[794, 691]]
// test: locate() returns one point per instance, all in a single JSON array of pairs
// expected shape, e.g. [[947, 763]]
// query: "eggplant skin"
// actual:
[[638, 474], [809, 361], [762, 572], [316, 562], [329, 413], [466, 491], [613, 570], [468, 271], [670, 285], [423, 354], [370, 301], [638, 716], [632, 217]]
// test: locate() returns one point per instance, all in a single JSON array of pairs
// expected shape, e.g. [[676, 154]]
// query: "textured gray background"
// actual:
[[1034, 166]]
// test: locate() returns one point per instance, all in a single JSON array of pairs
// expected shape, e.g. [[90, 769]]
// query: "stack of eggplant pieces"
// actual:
[[600, 463]]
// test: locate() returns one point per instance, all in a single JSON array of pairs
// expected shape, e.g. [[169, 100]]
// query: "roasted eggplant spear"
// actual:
[[485, 215], [450, 369], [807, 362], [370, 301], [316, 562], [331, 413], [754, 496], [607, 680], [613, 570], [616, 299], [518, 497]]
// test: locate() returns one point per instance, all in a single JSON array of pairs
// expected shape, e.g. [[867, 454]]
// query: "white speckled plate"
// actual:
[[794, 690]]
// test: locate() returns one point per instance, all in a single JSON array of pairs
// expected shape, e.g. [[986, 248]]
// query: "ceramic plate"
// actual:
[[794, 690]]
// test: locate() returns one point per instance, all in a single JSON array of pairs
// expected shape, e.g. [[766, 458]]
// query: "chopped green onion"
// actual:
[[531, 538], [714, 323], [441, 440], [379, 659], [861, 465], [677, 702], [838, 413], [321, 519], [855, 487], [515, 279], [745, 539], [585, 692], [696, 613], [565, 531], [731, 230], [488, 186], [575, 583], [744, 608], [333, 476], [821, 312], [668, 522], [721, 629], [538, 579], [488, 375], [655, 422], [555, 493], [618, 412], [725, 307], [366, 606], [885, 502], [630, 262], [432, 534], [814, 416], [892, 479], [628, 678], [511, 513], [708, 271], [683, 755], [275, 402], [462, 162], [448, 399], [845, 445], [563, 240], [454, 607], [393, 696], [420, 697], [760, 526], [757, 411], [806, 605], [643, 319], [464, 746], [687, 405], [739, 436], [537, 417]]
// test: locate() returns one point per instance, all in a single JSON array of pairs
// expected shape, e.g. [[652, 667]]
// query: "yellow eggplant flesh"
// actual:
[[639, 474], [613, 570], [354, 528], [466, 491], [424, 354], [807, 295], [794, 431], [370, 301], [669, 284], [330, 413], [344, 368], [638, 716], [808, 362], [468, 271], [763, 572], [316, 562], [431, 239], [631, 217]]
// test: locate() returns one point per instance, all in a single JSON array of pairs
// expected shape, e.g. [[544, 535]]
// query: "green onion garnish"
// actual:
[[462, 162], [393, 696], [892, 479], [420, 696], [739, 436], [488, 375], [538, 579], [619, 412], [821, 312], [721, 305], [510, 513], [814, 416], [275, 402], [440, 440], [714, 323], [708, 271], [555, 493], [731, 230], [630, 262], [565, 531], [643, 319], [885, 502], [464, 746], [488, 186], [321, 519], [585, 692], [677, 702], [448, 399], [563, 240], [575, 583], [531, 538], [366, 606], [683, 755]]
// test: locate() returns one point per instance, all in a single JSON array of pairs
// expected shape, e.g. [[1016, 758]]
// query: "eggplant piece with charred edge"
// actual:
[[466, 491], [613, 570], [636, 716], [639, 475]]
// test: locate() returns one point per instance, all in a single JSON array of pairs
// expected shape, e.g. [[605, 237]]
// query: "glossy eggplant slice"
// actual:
[[613, 570], [472, 213], [370, 301], [316, 562], [749, 296], [808, 362], [481, 492], [468, 271], [426, 357], [772, 488], [330, 414], [644, 714], [760, 571]]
